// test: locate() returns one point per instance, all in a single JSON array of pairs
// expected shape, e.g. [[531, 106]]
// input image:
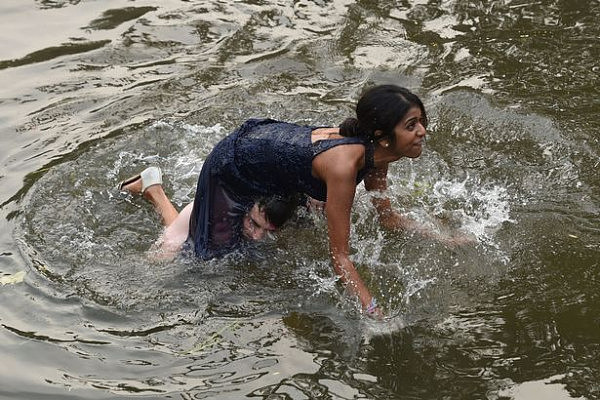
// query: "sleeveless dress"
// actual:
[[262, 158]]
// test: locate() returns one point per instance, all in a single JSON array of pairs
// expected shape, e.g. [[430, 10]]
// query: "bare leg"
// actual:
[[176, 224], [156, 195], [176, 233], [162, 204]]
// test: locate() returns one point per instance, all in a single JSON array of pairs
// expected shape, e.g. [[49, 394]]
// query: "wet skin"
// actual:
[[409, 135], [256, 224]]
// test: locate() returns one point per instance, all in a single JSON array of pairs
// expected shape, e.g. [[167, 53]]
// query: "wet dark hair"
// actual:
[[278, 209], [381, 108]]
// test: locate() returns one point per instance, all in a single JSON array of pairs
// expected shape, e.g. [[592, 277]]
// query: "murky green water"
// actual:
[[94, 91]]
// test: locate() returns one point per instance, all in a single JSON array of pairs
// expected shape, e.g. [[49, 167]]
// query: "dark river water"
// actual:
[[93, 91]]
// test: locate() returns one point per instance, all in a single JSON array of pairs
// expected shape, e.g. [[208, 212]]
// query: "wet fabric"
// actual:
[[217, 219], [262, 158]]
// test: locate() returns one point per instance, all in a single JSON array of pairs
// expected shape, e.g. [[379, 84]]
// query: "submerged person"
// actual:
[[229, 225]]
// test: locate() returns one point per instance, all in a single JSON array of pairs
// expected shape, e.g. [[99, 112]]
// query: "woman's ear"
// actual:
[[379, 137], [385, 143]]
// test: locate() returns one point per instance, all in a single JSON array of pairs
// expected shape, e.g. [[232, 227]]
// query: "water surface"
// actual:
[[95, 91]]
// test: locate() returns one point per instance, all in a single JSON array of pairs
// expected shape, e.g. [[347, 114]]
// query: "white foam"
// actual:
[[481, 208]]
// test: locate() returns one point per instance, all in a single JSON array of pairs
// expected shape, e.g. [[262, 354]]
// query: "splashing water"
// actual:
[[480, 209], [511, 91]]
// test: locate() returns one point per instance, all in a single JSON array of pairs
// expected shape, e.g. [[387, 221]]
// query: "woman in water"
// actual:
[[263, 158]]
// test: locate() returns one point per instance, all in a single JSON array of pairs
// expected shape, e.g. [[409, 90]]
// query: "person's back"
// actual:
[[274, 157]]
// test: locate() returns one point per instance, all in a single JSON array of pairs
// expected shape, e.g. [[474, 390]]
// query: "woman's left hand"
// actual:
[[372, 310]]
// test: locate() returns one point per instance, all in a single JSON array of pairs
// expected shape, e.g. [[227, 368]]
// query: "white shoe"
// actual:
[[150, 176]]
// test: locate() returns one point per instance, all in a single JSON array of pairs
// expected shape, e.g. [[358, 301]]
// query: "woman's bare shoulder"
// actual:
[[339, 162]]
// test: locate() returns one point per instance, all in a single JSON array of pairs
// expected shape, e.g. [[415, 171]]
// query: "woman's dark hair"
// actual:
[[278, 209], [381, 108]]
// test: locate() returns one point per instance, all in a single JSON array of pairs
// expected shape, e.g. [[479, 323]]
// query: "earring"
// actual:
[[386, 145]]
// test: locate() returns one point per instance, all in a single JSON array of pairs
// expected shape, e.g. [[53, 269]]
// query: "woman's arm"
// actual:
[[338, 167], [376, 180]]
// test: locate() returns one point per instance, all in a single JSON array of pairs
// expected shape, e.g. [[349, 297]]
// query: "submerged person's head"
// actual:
[[267, 215], [380, 110]]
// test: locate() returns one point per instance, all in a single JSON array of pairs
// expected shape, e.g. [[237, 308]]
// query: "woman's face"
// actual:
[[410, 134], [256, 224]]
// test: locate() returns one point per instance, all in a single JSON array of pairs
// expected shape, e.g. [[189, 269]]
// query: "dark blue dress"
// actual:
[[262, 158]]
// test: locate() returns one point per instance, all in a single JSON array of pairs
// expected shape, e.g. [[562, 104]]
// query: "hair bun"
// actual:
[[349, 128]]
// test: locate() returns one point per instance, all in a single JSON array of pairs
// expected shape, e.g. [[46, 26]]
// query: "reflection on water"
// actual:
[[108, 88]]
